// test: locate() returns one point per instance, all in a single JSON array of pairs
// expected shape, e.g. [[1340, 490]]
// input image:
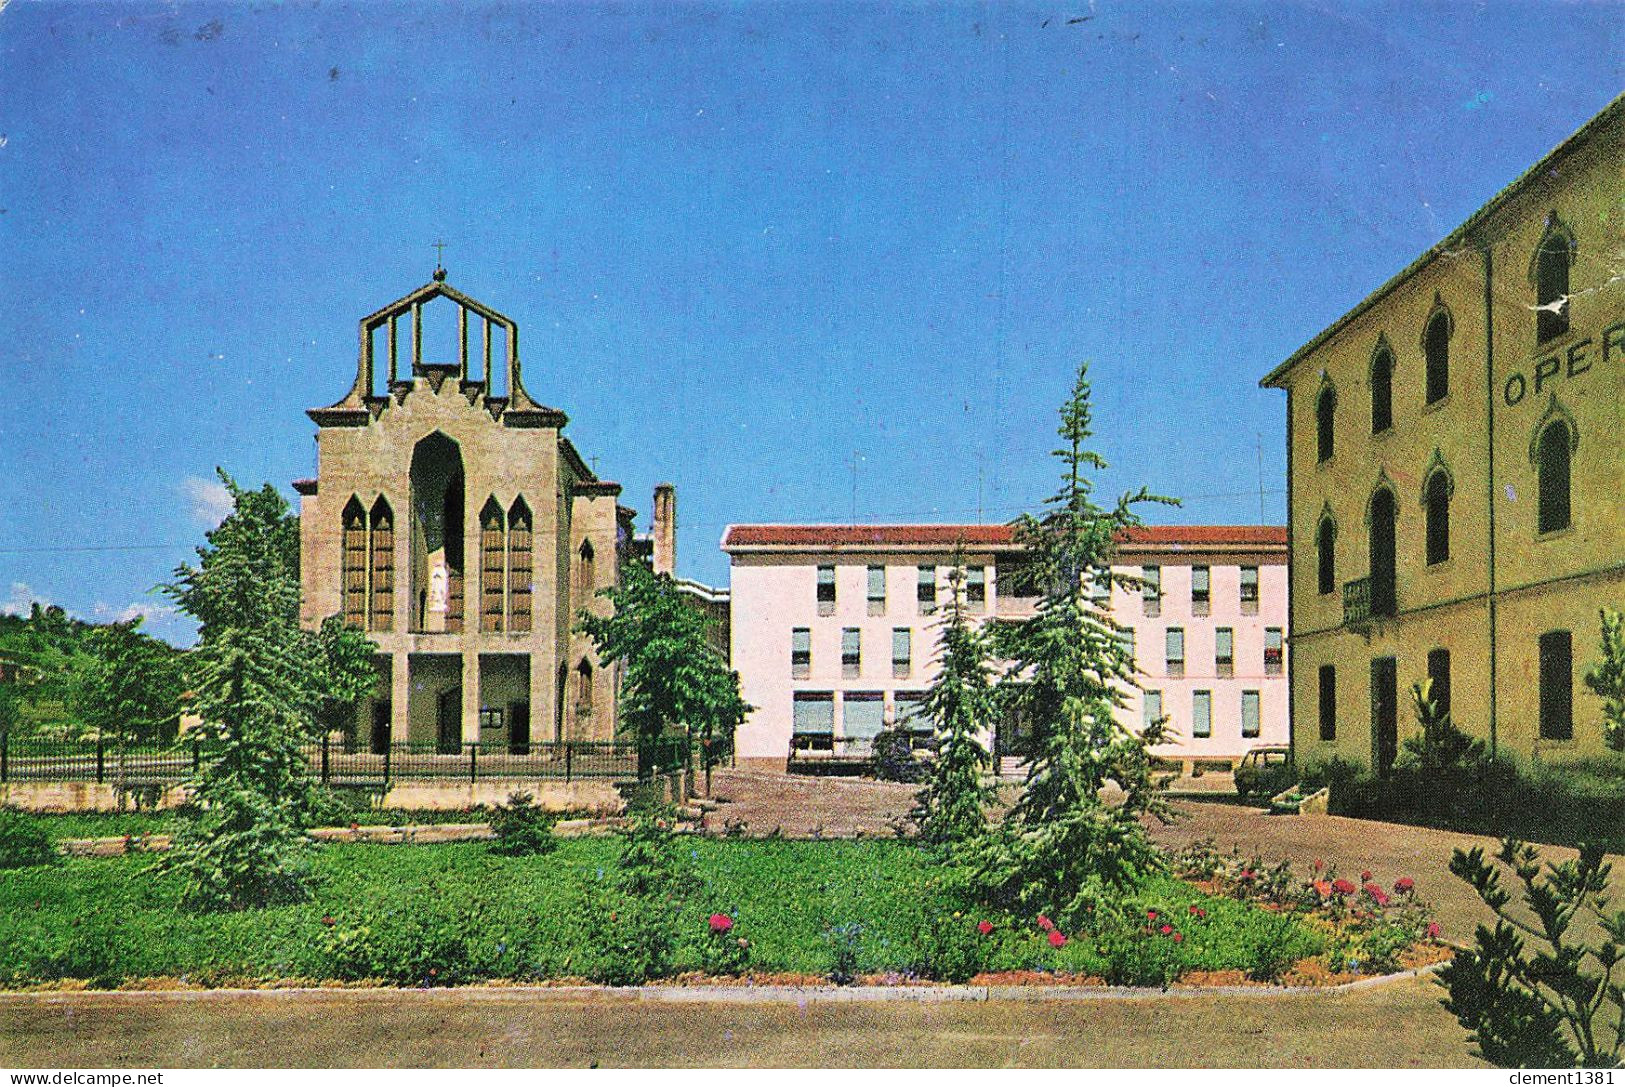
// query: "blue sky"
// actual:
[[743, 243]]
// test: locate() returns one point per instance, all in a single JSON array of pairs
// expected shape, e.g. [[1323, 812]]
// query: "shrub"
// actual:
[[1546, 1007], [723, 951], [23, 841], [522, 829], [437, 945], [845, 945], [625, 941], [951, 949], [895, 758]]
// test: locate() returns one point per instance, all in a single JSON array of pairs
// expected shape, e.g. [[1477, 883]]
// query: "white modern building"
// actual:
[[834, 631]]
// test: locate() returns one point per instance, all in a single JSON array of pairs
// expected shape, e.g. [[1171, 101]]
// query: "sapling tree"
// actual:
[[1537, 991], [673, 678], [1606, 678], [952, 806], [1063, 842], [130, 690]]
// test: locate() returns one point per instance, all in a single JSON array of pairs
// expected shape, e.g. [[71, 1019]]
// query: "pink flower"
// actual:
[[1197, 911], [1343, 887], [1433, 930], [721, 923], [1150, 915], [1045, 923], [1377, 894], [984, 927], [1179, 937], [1404, 885], [1246, 875], [1056, 939], [1365, 877], [1166, 929]]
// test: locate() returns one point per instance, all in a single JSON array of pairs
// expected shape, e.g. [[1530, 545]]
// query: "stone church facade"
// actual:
[[453, 522]]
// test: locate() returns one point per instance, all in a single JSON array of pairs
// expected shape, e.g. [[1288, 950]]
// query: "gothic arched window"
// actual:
[[1436, 347], [1325, 413], [1552, 286], [1553, 463], [1382, 390], [492, 561], [355, 564], [1438, 516], [1325, 555], [519, 566], [383, 567]]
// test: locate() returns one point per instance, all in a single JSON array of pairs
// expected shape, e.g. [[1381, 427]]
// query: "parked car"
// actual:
[[1265, 771]]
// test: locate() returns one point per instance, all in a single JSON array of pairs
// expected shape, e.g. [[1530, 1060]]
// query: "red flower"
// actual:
[[1045, 923], [1056, 939], [1343, 887], [1365, 877], [1150, 915], [328, 921], [984, 927], [1246, 875], [1166, 929], [721, 923], [1404, 885], [1377, 894], [1322, 888], [1433, 930], [1179, 937], [1197, 911], [1319, 864], [434, 971]]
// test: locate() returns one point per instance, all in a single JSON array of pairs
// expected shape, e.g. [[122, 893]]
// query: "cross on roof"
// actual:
[[439, 257]]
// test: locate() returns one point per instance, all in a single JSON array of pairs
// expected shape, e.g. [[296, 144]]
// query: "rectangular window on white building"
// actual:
[[908, 711], [800, 653], [812, 720], [1202, 713], [863, 715], [1249, 714], [926, 590], [902, 652], [826, 590], [976, 589], [1151, 708], [1174, 651], [1125, 640], [1224, 651], [851, 652], [877, 590], [1273, 659], [1249, 590], [1151, 590], [1201, 590]]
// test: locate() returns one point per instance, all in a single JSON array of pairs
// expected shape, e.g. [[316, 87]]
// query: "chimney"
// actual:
[[665, 529]]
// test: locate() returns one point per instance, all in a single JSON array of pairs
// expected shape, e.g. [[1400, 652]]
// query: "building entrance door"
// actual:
[[449, 718], [378, 741], [1384, 714], [519, 728]]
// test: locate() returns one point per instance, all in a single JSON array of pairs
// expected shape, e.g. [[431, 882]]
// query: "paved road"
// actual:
[[1400, 1025]]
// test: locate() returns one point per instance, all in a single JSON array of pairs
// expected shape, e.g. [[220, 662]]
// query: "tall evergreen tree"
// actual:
[[259, 682], [674, 678], [1063, 842], [953, 803]]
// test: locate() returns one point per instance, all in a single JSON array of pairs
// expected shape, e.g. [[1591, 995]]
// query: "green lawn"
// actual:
[[457, 913]]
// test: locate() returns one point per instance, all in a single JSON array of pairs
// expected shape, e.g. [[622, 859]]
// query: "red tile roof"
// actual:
[[811, 536]]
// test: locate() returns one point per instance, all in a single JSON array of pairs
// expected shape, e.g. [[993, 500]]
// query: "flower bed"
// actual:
[[759, 912]]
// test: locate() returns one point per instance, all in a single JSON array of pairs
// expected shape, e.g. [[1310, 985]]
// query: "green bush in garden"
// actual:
[[522, 828], [23, 841]]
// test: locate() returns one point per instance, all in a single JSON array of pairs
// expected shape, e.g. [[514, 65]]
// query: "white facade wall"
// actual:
[[774, 592]]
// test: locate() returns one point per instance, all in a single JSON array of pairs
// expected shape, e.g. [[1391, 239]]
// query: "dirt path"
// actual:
[[1400, 1025]]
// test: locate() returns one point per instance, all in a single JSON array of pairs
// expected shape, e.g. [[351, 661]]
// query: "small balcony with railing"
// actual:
[[1367, 600]]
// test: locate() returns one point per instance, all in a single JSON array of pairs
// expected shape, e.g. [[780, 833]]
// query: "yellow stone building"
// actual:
[[1456, 476], [453, 522]]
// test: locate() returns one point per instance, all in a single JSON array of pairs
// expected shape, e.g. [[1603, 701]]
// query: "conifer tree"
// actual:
[[1062, 842], [952, 805], [259, 682]]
